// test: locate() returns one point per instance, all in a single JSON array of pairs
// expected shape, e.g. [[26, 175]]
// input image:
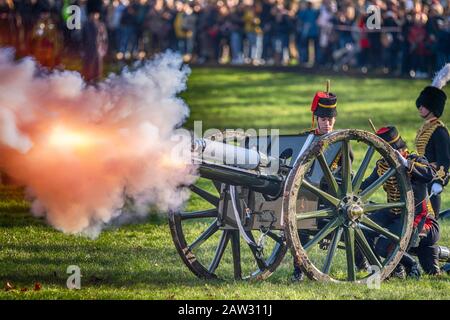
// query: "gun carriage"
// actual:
[[303, 193]]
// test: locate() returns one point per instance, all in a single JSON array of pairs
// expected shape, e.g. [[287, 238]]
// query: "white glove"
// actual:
[[402, 159], [436, 188]]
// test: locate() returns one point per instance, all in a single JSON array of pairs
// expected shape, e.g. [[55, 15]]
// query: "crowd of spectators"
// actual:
[[412, 39]]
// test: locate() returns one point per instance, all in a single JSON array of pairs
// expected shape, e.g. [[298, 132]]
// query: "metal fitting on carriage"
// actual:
[[444, 254]]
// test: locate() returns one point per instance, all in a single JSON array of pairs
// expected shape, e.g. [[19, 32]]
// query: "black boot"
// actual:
[[429, 259], [414, 272], [399, 272], [411, 266], [362, 264], [298, 275]]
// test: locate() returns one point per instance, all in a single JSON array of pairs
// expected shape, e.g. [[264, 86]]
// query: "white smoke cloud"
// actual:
[[82, 151]]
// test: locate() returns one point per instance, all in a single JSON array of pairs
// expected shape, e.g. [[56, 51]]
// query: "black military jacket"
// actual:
[[420, 172]]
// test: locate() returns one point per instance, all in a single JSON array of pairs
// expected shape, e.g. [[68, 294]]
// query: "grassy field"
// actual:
[[140, 261]]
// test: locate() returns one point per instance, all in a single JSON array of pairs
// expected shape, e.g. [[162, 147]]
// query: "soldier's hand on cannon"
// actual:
[[402, 159]]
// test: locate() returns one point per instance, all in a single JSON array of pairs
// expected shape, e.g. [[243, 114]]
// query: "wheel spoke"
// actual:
[[324, 213], [259, 260], [332, 250], [331, 181], [276, 237], [326, 230], [219, 251], [367, 250], [346, 167], [236, 250], [211, 213], [349, 236], [218, 186], [205, 195], [367, 193], [370, 207], [205, 235], [321, 194], [376, 227], [357, 181]]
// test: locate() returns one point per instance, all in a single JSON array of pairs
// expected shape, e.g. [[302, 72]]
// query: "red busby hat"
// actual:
[[324, 105], [390, 135]]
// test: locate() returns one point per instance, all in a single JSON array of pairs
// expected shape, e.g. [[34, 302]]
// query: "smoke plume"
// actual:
[[84, 152]]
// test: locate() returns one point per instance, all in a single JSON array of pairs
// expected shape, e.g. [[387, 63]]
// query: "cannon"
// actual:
[[298, 192]]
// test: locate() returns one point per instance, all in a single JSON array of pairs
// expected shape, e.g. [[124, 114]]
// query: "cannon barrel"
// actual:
[[232, 155], [238, 166]]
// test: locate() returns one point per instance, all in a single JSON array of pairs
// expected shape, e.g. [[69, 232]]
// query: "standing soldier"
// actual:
[[432, 140], [324, 114]]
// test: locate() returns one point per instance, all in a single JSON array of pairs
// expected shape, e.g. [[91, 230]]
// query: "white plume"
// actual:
[[442, 77]]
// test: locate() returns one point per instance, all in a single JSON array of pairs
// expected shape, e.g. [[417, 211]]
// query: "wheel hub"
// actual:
[[354, 212], [351, 208]]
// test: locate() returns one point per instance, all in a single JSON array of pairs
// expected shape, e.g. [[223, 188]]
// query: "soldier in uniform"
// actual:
[[421, 172], [324, 114], [432, 140]]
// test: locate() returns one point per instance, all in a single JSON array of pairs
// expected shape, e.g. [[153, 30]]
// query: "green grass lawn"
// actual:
[[140, 261]]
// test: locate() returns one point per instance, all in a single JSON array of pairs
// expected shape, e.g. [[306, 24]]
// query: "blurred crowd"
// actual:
[[412, 39]]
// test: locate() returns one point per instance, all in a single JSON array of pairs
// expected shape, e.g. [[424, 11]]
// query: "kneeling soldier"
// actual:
[[421, 173]]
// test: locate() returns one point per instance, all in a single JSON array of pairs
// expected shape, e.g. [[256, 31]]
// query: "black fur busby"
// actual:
[[433, 99]]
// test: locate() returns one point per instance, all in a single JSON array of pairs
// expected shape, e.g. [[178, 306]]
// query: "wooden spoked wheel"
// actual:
[[343, 217], [203, 239]]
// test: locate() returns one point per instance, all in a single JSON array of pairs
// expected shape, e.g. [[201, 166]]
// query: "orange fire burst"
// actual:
[[63, 137]]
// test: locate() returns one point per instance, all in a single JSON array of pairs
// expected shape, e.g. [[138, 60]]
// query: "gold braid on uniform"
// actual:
[[424, 134], [334, 165], [390, 186], [307, 131], [430, 208], [441, 176]]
